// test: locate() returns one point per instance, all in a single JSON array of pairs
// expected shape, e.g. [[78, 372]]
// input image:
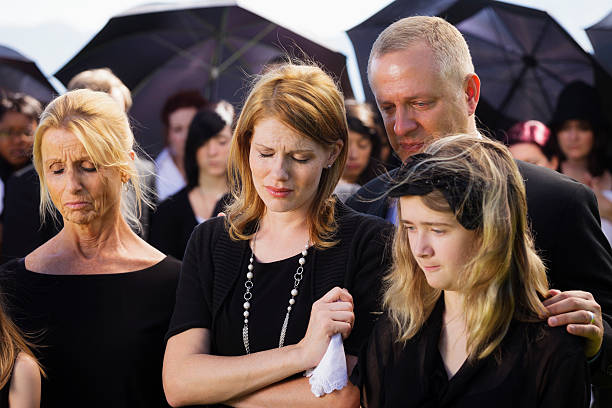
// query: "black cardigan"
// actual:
[[213, 263]]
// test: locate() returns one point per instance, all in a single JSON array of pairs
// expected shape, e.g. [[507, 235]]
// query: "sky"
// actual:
[[52, 31]]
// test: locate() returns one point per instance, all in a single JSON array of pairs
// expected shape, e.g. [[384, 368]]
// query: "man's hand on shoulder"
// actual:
[[581, 314]]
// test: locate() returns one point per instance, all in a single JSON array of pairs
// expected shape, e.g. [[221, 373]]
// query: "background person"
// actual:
[[259, 296], [529, 141], [99, 297], [421, 73], [18, 119], [176, 115], [364, 149], [206, 193], [580, 140], [465, 324]]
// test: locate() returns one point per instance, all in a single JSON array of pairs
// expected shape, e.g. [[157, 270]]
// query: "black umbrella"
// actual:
[[20, 74], [523, 57], [213, 46], [600, 35]]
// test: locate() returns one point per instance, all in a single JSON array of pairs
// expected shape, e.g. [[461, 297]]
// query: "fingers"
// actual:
[[337, 294], [569, 299], [579, 317]]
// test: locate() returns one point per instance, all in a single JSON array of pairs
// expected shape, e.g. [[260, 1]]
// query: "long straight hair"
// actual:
[[505, 278], [12, 343]]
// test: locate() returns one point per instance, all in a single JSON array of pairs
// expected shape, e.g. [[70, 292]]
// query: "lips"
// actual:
[[76, 205], [278, 192], [431, 268], [412, 148]]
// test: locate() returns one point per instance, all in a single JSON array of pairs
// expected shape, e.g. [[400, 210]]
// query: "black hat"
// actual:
[[577, 101]]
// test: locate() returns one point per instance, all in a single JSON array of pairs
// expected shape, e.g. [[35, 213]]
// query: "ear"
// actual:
[[472, 92], [334, 152]]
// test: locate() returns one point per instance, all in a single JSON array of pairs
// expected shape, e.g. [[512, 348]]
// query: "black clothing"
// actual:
[[100, 337], [22, 231], [173, 222], [539, 367], [565, 223], [214, 270], [4, 393]]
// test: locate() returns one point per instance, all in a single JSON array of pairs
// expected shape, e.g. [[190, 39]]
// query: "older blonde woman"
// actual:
[[260, 291], [465, 323], [97, 294]]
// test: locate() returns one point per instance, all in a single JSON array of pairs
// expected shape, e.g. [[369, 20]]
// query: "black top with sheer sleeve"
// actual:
[[535, 366], [99, 337]]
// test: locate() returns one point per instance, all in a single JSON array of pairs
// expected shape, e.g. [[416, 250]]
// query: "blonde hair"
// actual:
[[12, 343], [504, 279], [307, 100], [103, 80], [450, 51], [98, 122]]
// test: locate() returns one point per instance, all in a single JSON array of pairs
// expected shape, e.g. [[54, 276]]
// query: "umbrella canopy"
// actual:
[[213, 46], [20, 74], [523, 57], [600, 35]]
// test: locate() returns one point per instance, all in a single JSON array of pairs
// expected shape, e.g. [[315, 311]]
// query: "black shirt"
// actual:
[[272, 284], [100, 337], [173, 222], [534, 366]]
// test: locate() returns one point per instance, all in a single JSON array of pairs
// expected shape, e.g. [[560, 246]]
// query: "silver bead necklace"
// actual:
[[248, 295]]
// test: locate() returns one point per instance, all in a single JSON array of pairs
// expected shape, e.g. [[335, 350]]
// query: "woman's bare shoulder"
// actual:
[[25, 383]]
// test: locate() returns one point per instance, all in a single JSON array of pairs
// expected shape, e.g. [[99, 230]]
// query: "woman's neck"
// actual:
[[106, 235], [281, 235], [209, 184], [453, 307]]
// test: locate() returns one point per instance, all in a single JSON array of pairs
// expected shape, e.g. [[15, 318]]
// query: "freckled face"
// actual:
[[439, 243], [80, 192], [286, 167]]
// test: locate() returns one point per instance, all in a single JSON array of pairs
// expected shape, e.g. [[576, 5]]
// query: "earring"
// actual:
[[329, 166]]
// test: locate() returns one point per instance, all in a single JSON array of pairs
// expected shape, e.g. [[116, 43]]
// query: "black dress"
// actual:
[[211, 287], [100, 337], [173, 222], [535, 366]]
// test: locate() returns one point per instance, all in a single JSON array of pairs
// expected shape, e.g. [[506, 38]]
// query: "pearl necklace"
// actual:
[[248, 295]]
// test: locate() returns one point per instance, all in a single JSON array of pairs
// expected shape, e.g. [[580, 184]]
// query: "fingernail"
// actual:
[[552, 321]]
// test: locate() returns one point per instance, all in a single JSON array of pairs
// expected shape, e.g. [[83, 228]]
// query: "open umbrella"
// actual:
[[523, 57], [20, 74], [214, 46], [600, 35]]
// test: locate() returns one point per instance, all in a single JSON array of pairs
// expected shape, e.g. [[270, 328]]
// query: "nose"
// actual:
[[352, 152], [280, 168], [74, 184], [404, 122], [421, 247]]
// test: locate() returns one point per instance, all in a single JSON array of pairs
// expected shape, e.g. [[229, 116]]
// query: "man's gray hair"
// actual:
[[450, 50]]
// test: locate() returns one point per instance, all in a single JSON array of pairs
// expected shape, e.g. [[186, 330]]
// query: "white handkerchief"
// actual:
[[330, 374]]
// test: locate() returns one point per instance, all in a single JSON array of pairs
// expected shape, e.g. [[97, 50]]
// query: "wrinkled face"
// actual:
[[416, 102], [80, 192], [575, 139], [178, 127], [212, 155], [286, 167], [16, 138], [439, 243], [359, 151], [531, 153]]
